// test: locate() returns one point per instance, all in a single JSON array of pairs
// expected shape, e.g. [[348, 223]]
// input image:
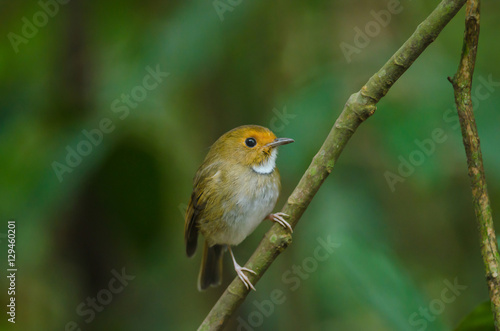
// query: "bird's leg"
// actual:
[[239, 271], [278, 218]]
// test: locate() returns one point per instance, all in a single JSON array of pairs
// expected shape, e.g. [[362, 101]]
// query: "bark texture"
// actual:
[[462, 85]]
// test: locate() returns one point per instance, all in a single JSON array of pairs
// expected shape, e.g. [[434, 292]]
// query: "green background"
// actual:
[[122, 206]]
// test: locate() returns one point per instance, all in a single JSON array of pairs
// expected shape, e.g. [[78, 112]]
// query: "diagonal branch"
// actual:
[[462, 84], [358, 108]]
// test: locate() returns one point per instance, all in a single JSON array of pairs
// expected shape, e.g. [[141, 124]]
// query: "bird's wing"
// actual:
[[204, 178], [190, 225]]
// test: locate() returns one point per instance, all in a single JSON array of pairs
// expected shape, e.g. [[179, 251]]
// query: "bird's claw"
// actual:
[[243, 277], [278, 218]]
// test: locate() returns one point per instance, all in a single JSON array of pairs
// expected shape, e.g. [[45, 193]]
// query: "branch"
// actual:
[[462, 85], [358, 108]]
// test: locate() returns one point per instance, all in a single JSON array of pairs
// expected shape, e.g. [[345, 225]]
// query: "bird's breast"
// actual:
[[254, 197]]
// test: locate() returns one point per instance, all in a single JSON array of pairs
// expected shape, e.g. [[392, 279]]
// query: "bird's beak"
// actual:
[[280, 141]]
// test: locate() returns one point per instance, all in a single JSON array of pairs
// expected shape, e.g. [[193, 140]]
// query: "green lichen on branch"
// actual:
[[462, 84], [360, 106]]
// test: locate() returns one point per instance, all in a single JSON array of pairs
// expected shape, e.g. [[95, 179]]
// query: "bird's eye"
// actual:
[[250, 142]]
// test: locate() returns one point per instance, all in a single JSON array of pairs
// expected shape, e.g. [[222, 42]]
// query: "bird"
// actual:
[[234, 190]]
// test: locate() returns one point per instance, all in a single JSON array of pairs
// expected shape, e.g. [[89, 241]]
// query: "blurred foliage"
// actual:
[[480, 319], [122, 206]]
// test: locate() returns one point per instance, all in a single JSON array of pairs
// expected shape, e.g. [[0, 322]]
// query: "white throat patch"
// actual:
[[267, 166]]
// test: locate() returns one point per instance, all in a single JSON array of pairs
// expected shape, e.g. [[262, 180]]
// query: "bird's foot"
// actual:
[[239, 271], [243, 277], [278, 218]]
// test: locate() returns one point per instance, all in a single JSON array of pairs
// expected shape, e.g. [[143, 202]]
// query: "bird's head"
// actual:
[[251, 145]]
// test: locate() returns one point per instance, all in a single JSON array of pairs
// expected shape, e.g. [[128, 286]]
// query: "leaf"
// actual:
[[480, 319]]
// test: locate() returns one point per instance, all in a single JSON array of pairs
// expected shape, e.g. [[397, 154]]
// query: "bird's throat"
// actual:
[[268, 165]]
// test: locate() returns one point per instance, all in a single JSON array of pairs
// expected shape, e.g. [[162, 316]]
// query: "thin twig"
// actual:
[[358, 108], [462, 84]]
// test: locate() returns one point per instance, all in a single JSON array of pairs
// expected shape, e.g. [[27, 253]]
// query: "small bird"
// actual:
[[234, 189]]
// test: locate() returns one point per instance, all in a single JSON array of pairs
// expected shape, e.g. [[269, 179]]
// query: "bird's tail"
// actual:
[[211, 266]]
